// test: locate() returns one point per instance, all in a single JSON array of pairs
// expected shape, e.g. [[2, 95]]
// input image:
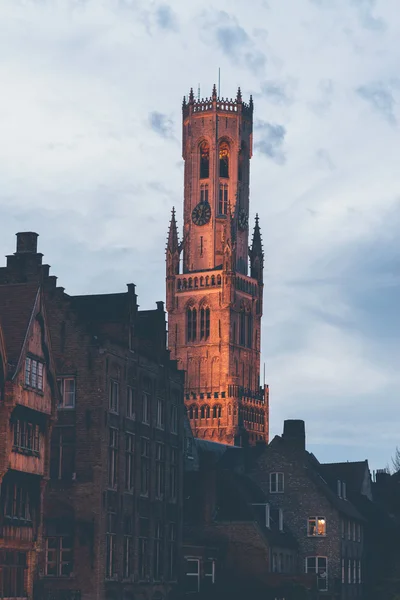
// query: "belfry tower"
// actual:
[[214, 305]]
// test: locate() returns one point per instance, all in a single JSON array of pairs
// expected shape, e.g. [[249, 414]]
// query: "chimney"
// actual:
[[27, 242], [294, 433]]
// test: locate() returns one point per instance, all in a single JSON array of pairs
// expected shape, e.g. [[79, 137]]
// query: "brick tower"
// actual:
[[214, 305]]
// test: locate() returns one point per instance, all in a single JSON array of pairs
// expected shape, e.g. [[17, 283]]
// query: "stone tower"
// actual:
[[214, 305]]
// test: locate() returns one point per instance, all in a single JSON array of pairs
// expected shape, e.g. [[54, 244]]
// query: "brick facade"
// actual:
[[214, 305], [114, 502]]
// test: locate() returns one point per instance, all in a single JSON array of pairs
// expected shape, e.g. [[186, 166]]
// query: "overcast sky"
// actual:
[[90, 158]]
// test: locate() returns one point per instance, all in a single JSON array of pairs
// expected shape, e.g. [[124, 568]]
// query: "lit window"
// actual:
[[224, 160], [276, 483], [66, 386], [316, 526], [319, 566]]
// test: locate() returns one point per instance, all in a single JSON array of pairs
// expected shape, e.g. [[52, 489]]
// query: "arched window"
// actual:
[[250, 331], [196, 412], [204, 323], [208, 412], [234, 332], [203, 412], [191, 412], [224, 160], [204, 160], [219, 280], [191, 318], [242, 330], [201, 281], [240, 163], [212, 279]]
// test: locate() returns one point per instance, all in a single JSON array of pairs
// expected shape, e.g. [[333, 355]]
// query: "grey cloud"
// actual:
[[233, 40], [166, 18], [324, 160], [275, 92], [380, 96], [367, 19], [271, 142], [161, 124]]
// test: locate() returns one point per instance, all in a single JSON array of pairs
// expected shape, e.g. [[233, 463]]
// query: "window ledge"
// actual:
[[61, 407], [26, 451], [29, 388]]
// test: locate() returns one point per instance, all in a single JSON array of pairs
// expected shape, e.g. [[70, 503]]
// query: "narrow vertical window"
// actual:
[[204, 160], [201, 245], [191, 319], [158, 554], [112, 458], [129, 462], [160, 470], [224, 160]]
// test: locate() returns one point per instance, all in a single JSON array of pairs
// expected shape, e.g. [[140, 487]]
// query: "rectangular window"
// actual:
[[146, 407], [13, 565], [34, 374], [343, 571], [112, 457], [276, 483], [318, 565], [66, 387], [160, 470], [62, 456], [348, 571], [192, 576], [174, 418], [128, 547], [316, 526], [223, 200], [26, 437], [343, 524], [354, 571], [144, 466], [59, 556], [172, 552], [111, 531], [129, 461], [130, 403], [143, 548], [158, 554], [204, 193], [359, 571], [114, 396], [349, 530], [17, 503], [354, 531], [160, 413], [173, 483], [358, 532], [209, 572]]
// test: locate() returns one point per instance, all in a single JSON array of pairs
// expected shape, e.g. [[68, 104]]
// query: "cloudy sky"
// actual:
[[90, 158]]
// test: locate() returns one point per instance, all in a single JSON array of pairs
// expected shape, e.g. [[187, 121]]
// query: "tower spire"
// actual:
[[256, 253], [173, 241]]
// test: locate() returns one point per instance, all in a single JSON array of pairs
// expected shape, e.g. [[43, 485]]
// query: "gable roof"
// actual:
[[17, 302], [353, 473]]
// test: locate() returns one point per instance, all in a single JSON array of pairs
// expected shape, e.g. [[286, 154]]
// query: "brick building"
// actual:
[[328, 527], [28, 400], [114, 501], [235, 544], [214, 305]]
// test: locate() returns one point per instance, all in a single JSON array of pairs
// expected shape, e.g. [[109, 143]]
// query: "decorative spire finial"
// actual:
[[239, 95], [184, 102], [214, 92], [251, 102], [191, 96]]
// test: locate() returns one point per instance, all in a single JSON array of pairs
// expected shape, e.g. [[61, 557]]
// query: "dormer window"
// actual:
[[34, 374]]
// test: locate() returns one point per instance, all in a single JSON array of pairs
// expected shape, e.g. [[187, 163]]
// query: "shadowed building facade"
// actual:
[[214, 303]]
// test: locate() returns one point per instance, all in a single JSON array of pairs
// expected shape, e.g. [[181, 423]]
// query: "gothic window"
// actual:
[[191, 317], [212, 279], [242, 329], [204, 193], [223, 200], [204, 160], [240, 163], [208, 412], [203, 412], [224, 160], [204, 323], [216, 412], [249, 330]]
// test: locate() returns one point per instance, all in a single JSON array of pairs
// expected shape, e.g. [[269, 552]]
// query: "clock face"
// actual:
[[243, 219], [201, 213]]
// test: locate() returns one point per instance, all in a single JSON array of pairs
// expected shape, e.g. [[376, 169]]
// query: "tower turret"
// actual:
[[256, 254], [172, 259]]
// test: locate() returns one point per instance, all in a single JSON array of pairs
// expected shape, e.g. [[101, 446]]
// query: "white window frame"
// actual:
[[113, 405], [34, 374], [130, 403], [63, 394], [146, 401], [190, 559], [319, 578], [279, 478], [212, 574], [160, 423], [58, 551], [316, 519]]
